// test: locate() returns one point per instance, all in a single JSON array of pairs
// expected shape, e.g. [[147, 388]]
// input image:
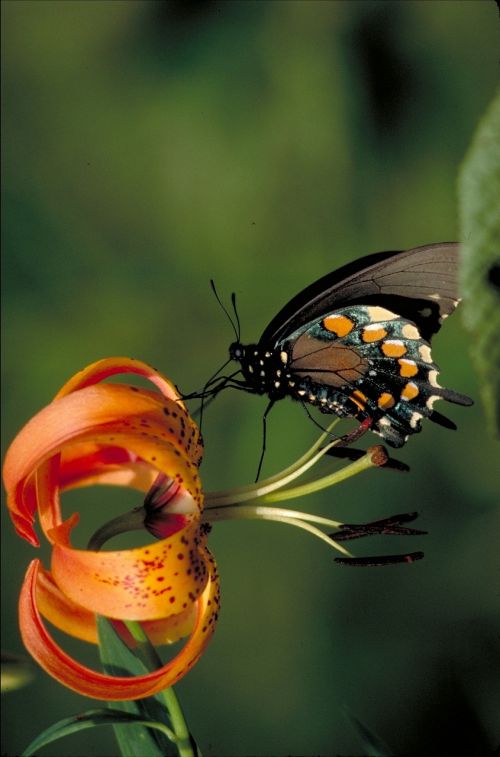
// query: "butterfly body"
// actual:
[[357, 342]]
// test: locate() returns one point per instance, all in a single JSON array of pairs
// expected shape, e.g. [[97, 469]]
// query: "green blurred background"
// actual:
[[150, 146]]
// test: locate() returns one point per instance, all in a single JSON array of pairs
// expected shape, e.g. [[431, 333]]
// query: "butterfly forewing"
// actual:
[[419, 284]]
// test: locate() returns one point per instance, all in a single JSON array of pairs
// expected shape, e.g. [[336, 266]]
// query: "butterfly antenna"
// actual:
[[214, 290], [237, 317]]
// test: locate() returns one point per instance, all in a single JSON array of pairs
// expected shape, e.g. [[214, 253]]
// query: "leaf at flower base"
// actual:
[[92, 719], [118, 660], [479, 190]]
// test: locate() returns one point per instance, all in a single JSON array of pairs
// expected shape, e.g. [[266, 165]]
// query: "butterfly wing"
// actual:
[[419, 284], [358, 339], [366, 361]]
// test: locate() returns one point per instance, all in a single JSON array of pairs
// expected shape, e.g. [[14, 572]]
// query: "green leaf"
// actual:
[[118, 660], [91, 719], [479, 193]]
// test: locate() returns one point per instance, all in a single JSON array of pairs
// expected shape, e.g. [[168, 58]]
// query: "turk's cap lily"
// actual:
[[121, 435]]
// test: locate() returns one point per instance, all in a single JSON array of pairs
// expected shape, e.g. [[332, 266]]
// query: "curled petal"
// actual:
[[111, 366], [88, 463], [89, 682], [144, 424], [62, 612], [76, 621], [145, 583]]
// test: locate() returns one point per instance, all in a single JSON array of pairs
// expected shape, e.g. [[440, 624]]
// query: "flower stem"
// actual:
[[279, 515], [364, 463], [300, 466], [149, 655], [130, 521], [183, 737]]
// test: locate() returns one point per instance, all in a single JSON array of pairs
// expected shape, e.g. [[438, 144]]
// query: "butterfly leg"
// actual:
[[356, 433], [316, 423], [264, 435], [347, 439]]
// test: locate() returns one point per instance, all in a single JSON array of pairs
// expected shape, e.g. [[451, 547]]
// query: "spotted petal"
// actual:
[[91, 683]]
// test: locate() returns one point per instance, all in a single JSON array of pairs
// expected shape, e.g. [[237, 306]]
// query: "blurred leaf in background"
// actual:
[[480, 218], [150, 146]]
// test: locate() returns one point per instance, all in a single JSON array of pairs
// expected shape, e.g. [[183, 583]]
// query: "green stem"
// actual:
[[183, 737], [241, 493], [278, 515], [151, 658], [256, 491], [364, 463], [131, 521]]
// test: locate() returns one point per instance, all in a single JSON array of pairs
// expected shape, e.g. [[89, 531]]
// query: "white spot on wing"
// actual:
[[425, 353], [410, 331], [380, 314], [433, 379], [415, 418]]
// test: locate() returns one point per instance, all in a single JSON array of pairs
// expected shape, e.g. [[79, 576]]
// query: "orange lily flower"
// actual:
[[122, 435]]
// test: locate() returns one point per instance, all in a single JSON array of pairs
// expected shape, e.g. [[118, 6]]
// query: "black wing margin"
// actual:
[[419, 284]]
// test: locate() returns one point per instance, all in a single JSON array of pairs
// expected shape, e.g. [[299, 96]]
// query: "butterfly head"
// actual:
[[236, 351], [246, 355], [258, 366]]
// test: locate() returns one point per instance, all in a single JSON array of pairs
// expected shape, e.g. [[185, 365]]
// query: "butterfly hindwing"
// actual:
[[369, 362]]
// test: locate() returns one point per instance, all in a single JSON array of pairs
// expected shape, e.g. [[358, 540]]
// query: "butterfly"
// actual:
[[357, 342]]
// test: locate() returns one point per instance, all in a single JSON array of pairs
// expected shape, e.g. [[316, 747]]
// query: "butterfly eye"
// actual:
[[235, 351]]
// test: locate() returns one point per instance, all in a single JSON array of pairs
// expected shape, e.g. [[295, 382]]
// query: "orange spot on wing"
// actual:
[[407, 368], [386, 400], [359, 399], [339, 325], [374, 335], [393, 348], [410, 391]]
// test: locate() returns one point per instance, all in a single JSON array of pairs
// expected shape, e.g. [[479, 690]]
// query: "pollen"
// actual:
[[339, 325], [393, 348]]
